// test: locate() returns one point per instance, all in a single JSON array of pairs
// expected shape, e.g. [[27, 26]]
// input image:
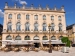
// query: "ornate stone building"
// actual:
[[27, 25], [71, 32]]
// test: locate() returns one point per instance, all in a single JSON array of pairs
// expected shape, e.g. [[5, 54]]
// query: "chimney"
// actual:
[[6, 5], [55, 8], [40, 7], [62, 8], [31, 6], [15, 5], [24, 5], [47, 7]]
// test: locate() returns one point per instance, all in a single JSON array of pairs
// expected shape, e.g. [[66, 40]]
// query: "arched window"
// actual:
[[27, 37], [52, 27], [52, 17], [36, 17], [45, 38], [18, 38], [60, 37], [27, 17], [44, 17], [53, 38], [36, 38], [9, 26], [19, 16], [59, 18], [8, 37], [44, 26], [10, 16], [27, 25], [18, 26], [60, 27], [36, 27]]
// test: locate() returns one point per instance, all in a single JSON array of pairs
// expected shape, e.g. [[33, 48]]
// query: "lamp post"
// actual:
[[50, 47]]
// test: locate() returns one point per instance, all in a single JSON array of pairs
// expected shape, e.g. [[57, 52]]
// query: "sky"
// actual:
[[69, 6]]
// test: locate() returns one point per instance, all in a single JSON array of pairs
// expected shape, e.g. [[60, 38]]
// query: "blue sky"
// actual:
[[68, 4]]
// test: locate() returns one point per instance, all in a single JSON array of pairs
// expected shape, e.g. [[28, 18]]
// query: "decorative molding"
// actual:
[[6, 13]]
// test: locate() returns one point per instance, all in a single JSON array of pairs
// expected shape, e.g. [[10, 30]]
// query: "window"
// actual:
[[9, 38], [27, 25], [60, 37], [36, 27], [27, 38], [53, 38], [18, 38], [52, 27], [44, 17], [9, 26], [10, 16], [52, 17], [19, 16], [60, 27], [45, 38], [36, 17], [36, 37], [18, 26], [27, 17], [44, 26], [59, 18]]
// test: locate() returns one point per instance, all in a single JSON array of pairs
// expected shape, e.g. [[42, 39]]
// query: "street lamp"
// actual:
[[50, 47]]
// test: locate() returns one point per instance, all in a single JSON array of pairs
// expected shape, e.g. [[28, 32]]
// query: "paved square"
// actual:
[[40, 53]]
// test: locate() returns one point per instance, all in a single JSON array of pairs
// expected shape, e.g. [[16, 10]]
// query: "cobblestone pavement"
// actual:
[[40, 53]]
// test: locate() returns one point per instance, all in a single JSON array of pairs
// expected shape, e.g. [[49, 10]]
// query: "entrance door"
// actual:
[[36, 45]]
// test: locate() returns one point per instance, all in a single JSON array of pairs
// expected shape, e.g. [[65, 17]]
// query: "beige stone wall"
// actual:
[[32, 21], [40, 21]]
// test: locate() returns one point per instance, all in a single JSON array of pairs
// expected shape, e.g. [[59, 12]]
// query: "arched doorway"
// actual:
[[36, 41]]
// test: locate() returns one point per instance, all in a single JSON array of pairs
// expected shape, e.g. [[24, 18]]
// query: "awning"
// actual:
[[52, 42], [36, 37], [17, 42], [36, 41]]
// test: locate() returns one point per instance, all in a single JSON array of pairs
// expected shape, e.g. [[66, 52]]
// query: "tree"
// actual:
[[66, 41]]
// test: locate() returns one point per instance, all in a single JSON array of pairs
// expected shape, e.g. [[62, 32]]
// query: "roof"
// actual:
[[70, 26]]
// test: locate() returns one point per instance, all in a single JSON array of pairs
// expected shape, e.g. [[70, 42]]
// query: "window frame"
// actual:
[[27, 17], [52, 17], [35, 17], [53, 38], [19, 16], [10, 16], [16, 38], [59, 18], [8, 37], [44, 17]]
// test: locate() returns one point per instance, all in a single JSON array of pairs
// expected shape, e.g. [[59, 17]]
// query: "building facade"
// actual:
[[1, 28], [27, 25], [71, 32]]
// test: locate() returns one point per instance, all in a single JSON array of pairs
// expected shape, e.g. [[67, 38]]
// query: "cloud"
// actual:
[[22, 2], [70, 13], [1, 14]]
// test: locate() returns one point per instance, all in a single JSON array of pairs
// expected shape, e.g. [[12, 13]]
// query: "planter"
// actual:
[[16, 49], [65, 49], [6, 49], [36, 50]]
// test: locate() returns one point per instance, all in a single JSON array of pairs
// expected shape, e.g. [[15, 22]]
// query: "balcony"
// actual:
[[53, 32], [44, 31], [61, 32], [36, 31], [27, 31], [9, 31], [18, 31]]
